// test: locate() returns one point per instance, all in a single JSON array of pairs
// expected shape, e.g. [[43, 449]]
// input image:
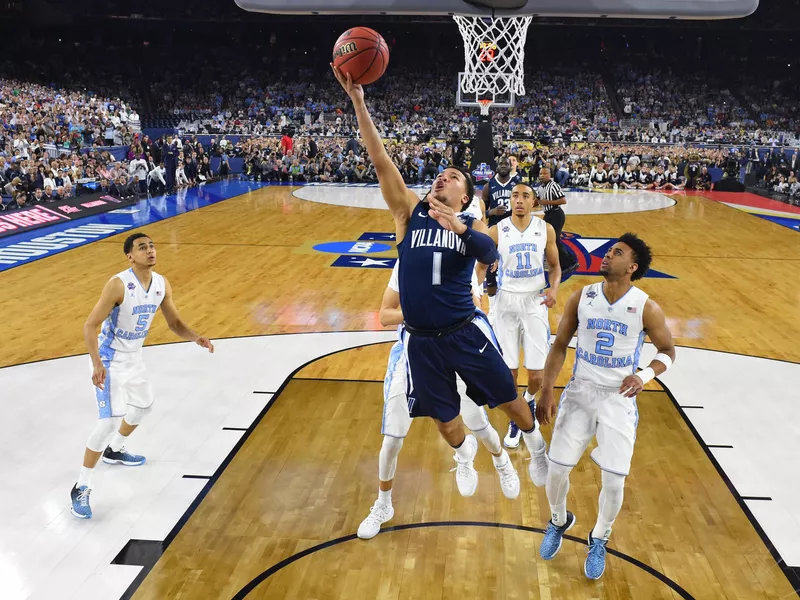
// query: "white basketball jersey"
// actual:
[[521, 267], [610, 336], [125, 329], [474, 208]]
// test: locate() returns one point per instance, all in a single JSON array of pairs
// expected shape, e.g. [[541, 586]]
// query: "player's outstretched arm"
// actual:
[[176, 324], [655, 324], [398, 197], [113, 294], [546, 406]]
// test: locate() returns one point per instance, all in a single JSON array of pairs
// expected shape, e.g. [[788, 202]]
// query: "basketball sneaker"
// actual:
[[122, 458], [595, 563], [538, 467], [466, 475], [551, 543], [509, 480], [513, 436], [378, 515], [80, 502]]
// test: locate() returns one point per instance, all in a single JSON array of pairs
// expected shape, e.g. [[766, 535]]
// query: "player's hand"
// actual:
[[549, 297], [546, 407], [631, 386], [205, 343], [445, 216], [354, 90], [99, 376]]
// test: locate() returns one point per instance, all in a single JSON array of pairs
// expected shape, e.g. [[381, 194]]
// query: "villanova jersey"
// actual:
[[126, 327], [500, 195], [435, 273], [610, 336], [521, 267]]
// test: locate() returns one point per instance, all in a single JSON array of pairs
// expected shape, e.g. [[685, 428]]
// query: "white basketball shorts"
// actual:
[[587, 410], [521, 320], [396, 419], [126, 385]]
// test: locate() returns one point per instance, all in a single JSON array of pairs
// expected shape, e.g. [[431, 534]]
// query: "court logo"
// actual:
[[352, 254], [590, 252], [357, 247]]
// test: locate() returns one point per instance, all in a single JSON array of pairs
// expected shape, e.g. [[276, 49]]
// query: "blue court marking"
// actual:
[[26, 247]]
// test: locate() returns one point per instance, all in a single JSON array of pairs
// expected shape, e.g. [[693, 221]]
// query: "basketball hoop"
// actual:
[[485, 105], [494, 52]]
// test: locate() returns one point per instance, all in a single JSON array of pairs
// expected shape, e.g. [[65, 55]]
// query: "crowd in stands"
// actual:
[[55, 125]]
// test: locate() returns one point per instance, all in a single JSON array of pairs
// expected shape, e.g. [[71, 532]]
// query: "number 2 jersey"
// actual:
[[126, 327], [435, 273], [610, 336]]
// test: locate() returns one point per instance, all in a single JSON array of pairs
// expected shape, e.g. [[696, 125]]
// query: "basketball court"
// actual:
[[262, 458]]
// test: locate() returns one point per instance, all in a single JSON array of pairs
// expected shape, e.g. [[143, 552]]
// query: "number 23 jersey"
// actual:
[[610, 336]]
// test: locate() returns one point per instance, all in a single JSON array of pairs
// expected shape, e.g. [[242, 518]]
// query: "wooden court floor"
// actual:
[[307, 474]]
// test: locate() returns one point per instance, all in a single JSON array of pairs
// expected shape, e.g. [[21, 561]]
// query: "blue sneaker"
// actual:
[[513, 436], [80, 502], [595, 563], [553, 537], [122, 458]]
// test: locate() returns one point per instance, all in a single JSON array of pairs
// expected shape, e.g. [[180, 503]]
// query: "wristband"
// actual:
[[646, 375], [664, 359]]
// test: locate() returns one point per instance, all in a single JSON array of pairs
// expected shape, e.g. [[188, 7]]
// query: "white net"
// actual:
[[494, 52]]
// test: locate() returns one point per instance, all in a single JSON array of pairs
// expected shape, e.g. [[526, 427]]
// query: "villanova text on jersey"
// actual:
[[440, 239], [435, 273]]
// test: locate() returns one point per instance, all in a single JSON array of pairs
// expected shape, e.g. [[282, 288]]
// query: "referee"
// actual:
[[551, 197]]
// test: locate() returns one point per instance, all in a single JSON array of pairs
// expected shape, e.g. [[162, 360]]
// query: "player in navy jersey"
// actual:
[[444, 334], [496, 196]]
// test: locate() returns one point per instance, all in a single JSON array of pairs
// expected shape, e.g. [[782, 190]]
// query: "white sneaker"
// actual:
[[537, 468], [466, 475], [615, 186], [509, 480], [378, 515], [513, 436]]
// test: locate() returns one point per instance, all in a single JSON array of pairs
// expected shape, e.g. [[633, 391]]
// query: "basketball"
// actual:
[[363, 53]]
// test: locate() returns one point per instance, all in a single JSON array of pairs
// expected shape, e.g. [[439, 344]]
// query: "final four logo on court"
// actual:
[[588, 250]]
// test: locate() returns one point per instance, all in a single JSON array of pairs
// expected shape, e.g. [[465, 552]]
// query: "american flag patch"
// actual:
[[631, 309]]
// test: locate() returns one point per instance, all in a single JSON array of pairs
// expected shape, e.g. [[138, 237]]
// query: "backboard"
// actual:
[[644, 9]]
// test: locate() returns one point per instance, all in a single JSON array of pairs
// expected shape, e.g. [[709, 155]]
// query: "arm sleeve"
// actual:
[[480, 246]]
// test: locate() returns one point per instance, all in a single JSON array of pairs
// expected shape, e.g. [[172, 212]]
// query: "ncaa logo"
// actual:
[[357, 247]]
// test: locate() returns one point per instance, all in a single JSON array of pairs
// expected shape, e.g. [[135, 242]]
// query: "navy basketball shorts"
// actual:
[[473, 353]]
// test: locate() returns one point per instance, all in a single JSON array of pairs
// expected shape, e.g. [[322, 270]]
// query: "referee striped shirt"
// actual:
[[550, 191]]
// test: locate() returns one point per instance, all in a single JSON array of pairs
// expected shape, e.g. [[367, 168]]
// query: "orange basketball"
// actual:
[[363, 53]]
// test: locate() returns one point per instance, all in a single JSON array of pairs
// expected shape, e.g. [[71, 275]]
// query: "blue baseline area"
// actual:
[[793, 224], [23, 248]]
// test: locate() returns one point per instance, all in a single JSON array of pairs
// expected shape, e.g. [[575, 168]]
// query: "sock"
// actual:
[[464, 451], [491, 302], [528, 397], [611, 496], [500, 461], [117, 442], [85, 477], [489, 438], [534, 441], [557, 487], [385, 497]]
